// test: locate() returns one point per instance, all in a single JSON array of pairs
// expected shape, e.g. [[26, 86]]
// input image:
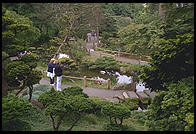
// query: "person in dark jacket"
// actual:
[[58, 73], [50, 71]]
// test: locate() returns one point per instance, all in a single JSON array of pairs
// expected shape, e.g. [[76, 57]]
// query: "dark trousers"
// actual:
[[52, 80]]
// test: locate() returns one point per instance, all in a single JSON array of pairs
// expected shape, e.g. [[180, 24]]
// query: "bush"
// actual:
[[132, 103], [98, 103], [14, 111], [173, 110], [108, 64], [115, 127], [68, 65], [116, 111], [74, 91]]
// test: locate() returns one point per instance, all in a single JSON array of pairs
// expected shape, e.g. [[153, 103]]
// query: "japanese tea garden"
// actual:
[[125, 66]]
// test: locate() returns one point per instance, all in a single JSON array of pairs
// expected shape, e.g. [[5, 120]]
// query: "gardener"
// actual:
[[58, 73], [50, 71]]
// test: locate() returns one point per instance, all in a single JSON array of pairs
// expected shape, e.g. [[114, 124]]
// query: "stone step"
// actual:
[[151, 94], [125, 95], [142, 95], [132, 94]]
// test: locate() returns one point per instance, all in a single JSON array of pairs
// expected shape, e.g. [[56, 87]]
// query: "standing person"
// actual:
[[50, 71], [89, 37], [58, 73]]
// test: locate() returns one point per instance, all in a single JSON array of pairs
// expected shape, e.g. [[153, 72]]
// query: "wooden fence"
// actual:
[[85, 79], [124, 54]]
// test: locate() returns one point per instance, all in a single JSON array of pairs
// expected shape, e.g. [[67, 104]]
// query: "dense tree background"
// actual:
[[163, 31]]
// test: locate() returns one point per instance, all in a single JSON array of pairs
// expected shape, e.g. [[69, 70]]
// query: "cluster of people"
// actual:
[[54, 69], [21, 54], [91, 36]]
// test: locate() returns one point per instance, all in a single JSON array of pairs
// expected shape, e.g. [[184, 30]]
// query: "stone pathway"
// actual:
[[102, 93], [106, 94]]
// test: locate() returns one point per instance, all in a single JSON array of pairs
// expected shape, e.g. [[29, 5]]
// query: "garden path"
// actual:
[[102, 93], [89, 45]]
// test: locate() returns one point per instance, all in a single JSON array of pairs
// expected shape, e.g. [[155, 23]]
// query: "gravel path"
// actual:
[[102, 93], [101, 54]]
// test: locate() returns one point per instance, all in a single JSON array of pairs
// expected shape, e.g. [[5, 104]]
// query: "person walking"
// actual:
[[58, 73], [50, 71]]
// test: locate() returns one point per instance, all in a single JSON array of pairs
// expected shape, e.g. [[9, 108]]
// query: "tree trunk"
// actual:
[[110, 120], [115, 120], [60, 121], [30, 92], [74, 123], [53, 123], [4, 83], [121, 121]]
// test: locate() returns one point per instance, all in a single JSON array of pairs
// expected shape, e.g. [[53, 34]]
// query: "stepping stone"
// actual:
[[119, 97], [142, 95], [151, 94], [125, 95], [132, 94]]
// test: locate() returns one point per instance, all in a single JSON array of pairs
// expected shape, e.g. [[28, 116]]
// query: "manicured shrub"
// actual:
[[116, 111], [13, 113]]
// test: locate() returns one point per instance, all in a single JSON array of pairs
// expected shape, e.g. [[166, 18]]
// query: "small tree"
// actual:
[[14, 109], [21, 73], [71, 102], [116, 111]]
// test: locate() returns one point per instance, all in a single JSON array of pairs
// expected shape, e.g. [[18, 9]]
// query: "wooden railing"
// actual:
[[85, 79], [125, 54]]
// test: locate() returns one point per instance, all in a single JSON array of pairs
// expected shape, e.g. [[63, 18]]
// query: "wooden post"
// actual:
[[85, 82], [115, 56], [119, 53], [109, 83], [140, 60], [89, 51]]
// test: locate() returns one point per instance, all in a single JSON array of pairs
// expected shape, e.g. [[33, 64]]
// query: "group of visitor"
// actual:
[[91, 36], [54, 69], [21, 54]]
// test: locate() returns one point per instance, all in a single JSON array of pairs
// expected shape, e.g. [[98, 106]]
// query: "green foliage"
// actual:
[[14, 111], [171, 63], [18, 32], [179, 20], [68, 65], [171, 110], [79, 51], [20, 71], [98, 104], [30, 60], [131, 103], [141, 37], [116, 111], [74, 91], [116, 127], [108, 64], [71, 102]]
